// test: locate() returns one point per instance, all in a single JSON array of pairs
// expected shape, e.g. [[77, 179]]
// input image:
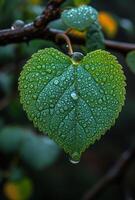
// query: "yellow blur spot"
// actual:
[[108, 23], [76, 33], [11, 191], [81, 2], [35, 2], [19, 190]]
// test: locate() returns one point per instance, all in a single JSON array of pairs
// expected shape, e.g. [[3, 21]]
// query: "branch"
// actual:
[[113, 175], [120, 46], [114, 45], [32, 30], [38, 30]]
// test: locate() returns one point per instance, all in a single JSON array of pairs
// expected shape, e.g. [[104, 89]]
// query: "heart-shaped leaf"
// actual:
[[79, 18], [74, 102]]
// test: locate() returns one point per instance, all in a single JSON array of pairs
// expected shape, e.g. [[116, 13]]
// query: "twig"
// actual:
[[116, 45], [120, 46], [67, 40], [112, 176]]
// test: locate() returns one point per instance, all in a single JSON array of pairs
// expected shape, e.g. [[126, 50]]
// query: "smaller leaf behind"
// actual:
[[39, 152], [79, 18], [57, 24], [130, 59], [11, 138], [94, 37]]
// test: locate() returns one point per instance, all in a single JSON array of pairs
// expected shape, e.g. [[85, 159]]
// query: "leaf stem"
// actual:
[[67, 40]]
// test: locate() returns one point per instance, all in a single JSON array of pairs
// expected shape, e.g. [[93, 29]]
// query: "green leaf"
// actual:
[[130, 59], [79, 18], [6, 80], [74, 102], [68, 3], [11, 138], [57, 24], [39, 152], [94, 38], [25, 187]]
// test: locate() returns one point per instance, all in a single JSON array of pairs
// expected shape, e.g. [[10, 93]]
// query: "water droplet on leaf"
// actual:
[[74, 95], [74, 161], [75, 158], [77, 57], [56, 82]]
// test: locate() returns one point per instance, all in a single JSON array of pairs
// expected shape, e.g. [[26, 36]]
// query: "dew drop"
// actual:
[[51, 111], [100, 101], [65, 108], [74, 95], [40, 108], [74, 161], [51, 105], [61, 110], [27, 102], [39, 67], [49, 70], [92, 68], [17, 24], [56, 82], [104, 79], [75, 158], [77, 57], [111, 77], [34, 96]]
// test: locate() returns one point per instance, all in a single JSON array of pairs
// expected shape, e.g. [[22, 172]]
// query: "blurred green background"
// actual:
[[33, 167]]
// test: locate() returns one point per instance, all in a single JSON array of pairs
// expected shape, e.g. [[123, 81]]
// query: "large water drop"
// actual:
[[56, 82], [77, 57], [17, 24], [74, 95], [75, 158], [74, 161]]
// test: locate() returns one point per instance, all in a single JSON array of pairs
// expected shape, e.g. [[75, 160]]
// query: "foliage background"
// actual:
[[61, 179]]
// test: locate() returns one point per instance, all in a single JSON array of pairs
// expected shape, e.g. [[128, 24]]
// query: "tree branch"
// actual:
[[113, 175], [38, 30], [120, 46], [32, 30]]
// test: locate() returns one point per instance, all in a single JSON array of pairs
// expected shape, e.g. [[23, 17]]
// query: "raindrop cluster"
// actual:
[[79, 18]]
